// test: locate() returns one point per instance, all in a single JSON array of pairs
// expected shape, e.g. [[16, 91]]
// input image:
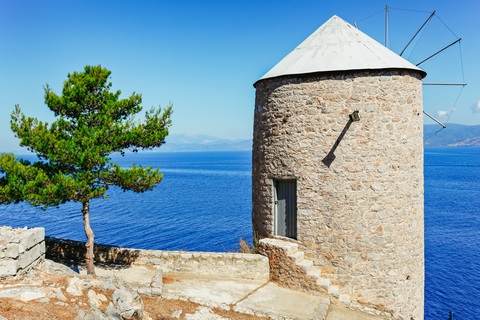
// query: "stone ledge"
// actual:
[[232, 265]]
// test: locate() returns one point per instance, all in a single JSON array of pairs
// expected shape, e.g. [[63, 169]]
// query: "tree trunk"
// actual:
[[90, 236]]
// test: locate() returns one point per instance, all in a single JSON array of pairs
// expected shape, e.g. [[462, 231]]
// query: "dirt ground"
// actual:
[[158, 309], [163, 309], [67, 309]]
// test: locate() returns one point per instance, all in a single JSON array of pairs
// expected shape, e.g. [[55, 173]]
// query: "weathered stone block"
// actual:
[[42, 247], [37, 251], [31, 237], [12, 250], [8, 268], [25, 259]]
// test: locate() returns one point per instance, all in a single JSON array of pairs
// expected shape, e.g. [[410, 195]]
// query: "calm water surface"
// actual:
[[452, 233], [204, 204]]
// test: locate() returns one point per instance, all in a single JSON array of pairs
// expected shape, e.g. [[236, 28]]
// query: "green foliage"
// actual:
[[91, 124]]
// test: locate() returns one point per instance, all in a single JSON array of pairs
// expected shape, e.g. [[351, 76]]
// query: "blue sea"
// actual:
[[204, 204], [452, 233]]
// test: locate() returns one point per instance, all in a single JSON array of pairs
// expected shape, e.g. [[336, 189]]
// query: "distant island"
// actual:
[[184, 142], [454, 135]]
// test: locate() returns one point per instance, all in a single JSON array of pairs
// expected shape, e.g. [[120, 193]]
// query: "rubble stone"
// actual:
[[359, 184]]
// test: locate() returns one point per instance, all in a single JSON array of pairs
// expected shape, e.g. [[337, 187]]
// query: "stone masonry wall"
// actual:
[[20, 250], [284, 271], [232, 265], [359, 185]]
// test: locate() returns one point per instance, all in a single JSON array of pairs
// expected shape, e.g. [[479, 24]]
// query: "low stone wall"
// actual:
[[20, 250], [232, 265], [74, 252]]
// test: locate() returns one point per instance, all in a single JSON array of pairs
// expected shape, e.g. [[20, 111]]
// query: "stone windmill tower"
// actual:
[[338, 170]]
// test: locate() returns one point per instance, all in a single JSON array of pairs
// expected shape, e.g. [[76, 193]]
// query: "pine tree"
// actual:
[[92, 123]]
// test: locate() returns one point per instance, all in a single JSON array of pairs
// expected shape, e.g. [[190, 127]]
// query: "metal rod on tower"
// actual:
[[423, 25], [386, 25], [444, 84], [435, 120], [433, 55]]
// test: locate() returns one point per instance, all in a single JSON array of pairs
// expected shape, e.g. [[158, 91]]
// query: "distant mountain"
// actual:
[[454, 135], [183, 142]]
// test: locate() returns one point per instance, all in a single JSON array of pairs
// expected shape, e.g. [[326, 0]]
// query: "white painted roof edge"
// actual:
[[338, 46]]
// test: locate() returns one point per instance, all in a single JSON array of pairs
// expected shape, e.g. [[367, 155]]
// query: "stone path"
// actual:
[[256, 297], [146, 280], [276, 302]]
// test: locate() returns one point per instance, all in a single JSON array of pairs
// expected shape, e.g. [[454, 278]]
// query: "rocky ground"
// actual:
[[53, 291]]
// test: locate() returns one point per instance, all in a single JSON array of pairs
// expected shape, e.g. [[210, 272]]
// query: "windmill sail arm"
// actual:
[[435, 120], [423, 25], [444, 84], [433, 55]]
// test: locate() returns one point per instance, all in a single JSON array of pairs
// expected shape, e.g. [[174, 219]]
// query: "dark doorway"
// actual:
[[286, 208]]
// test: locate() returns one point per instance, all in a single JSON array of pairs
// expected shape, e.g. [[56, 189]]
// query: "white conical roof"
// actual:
[[338, 46]]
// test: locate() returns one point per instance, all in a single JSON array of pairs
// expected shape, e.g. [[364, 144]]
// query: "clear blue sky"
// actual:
[[204, 56]]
